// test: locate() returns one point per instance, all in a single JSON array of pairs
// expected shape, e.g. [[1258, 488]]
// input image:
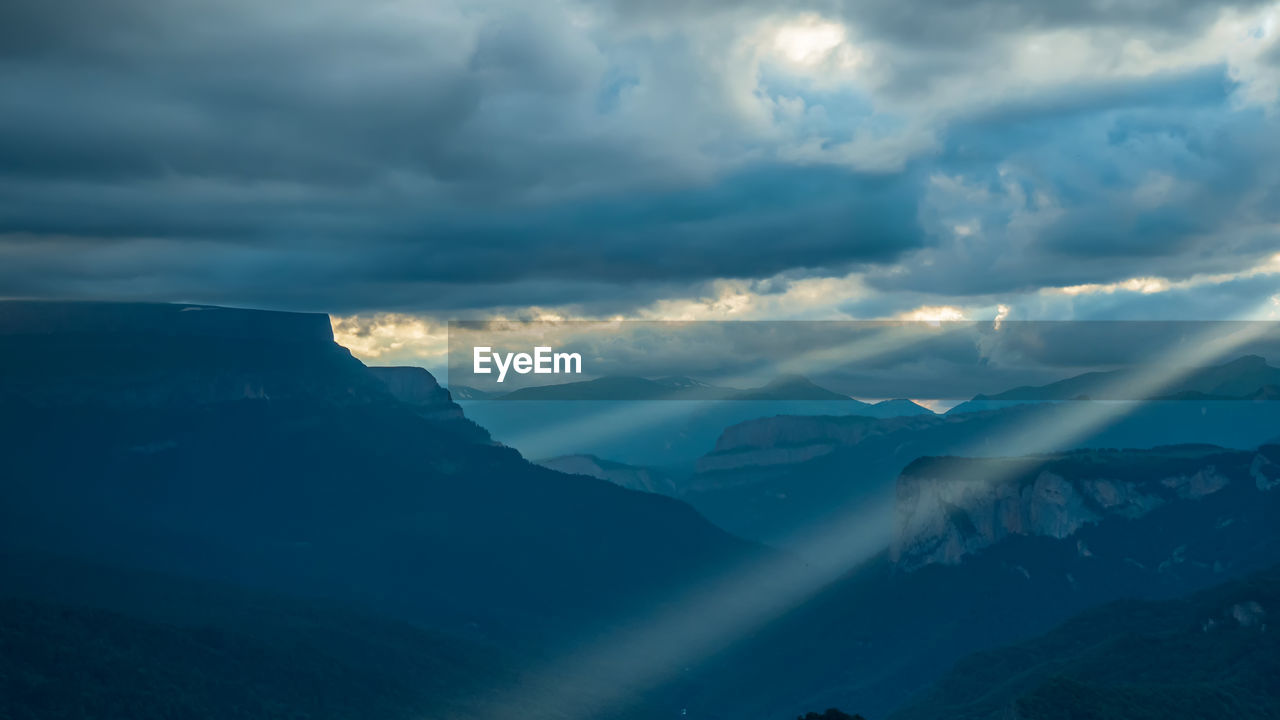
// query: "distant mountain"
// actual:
[[630, 477], [900, 407], [466, 392], [1245, 378], [1214, 654], [1074, 531], [950, 508], [770, 478], [786, 388], [620, 388], [666, 434], [790, 387], [247, 447]]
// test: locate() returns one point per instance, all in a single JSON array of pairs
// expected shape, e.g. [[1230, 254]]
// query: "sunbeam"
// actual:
[[650, 650]]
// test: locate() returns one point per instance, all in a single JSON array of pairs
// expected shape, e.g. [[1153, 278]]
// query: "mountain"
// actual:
[[667, 434], [466, 392], [1158, 524], [621, 388], [949, 508], [899, 407], [771, 478], [1245, 378], [788, 387], [246, 447], [628, 476], [1211, 655]]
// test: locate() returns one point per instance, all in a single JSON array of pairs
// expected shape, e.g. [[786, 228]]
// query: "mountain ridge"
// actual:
[[1247, 377], [319, 481]]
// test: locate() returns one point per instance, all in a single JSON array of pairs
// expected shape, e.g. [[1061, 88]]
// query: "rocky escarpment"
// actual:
[[418, 389], [58, 354], [949, 508], [129, 439]]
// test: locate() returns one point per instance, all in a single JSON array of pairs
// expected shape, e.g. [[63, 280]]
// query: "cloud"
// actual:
[[621, 157]]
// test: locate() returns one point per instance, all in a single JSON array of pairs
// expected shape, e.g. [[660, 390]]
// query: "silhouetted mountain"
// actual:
[[1080, 529], [247, 447], [899, 407], [143, 356], [790, 387], [617, 388], [1245, 378], [1214, 654]]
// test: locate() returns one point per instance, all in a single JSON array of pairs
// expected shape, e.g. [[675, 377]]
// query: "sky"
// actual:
[[401, 164]]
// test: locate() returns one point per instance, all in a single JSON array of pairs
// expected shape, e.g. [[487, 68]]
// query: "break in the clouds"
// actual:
[[646, 159]]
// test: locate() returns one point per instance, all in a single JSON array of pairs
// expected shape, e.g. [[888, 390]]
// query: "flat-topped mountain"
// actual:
[[145, 355], [248, 447]]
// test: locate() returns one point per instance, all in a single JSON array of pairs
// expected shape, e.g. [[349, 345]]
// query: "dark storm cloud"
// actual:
[[1097, 185], [342, 156], [959, 22], [749, 225], [424, 157]]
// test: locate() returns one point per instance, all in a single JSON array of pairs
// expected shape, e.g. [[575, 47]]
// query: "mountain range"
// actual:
[[786, 387], [1245, 378], [214, 513], [665, 422], [1134, 524], [248, 448], [771, 478]]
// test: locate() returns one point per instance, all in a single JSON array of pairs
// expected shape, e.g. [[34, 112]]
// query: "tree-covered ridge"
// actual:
[[1214, 654]]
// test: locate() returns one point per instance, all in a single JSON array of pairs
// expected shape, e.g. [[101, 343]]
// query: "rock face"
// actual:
[[949, 508], [418, 389], [999, 550]]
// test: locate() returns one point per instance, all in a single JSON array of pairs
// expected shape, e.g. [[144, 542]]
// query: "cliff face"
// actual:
[[418, 389], [949, 508]]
